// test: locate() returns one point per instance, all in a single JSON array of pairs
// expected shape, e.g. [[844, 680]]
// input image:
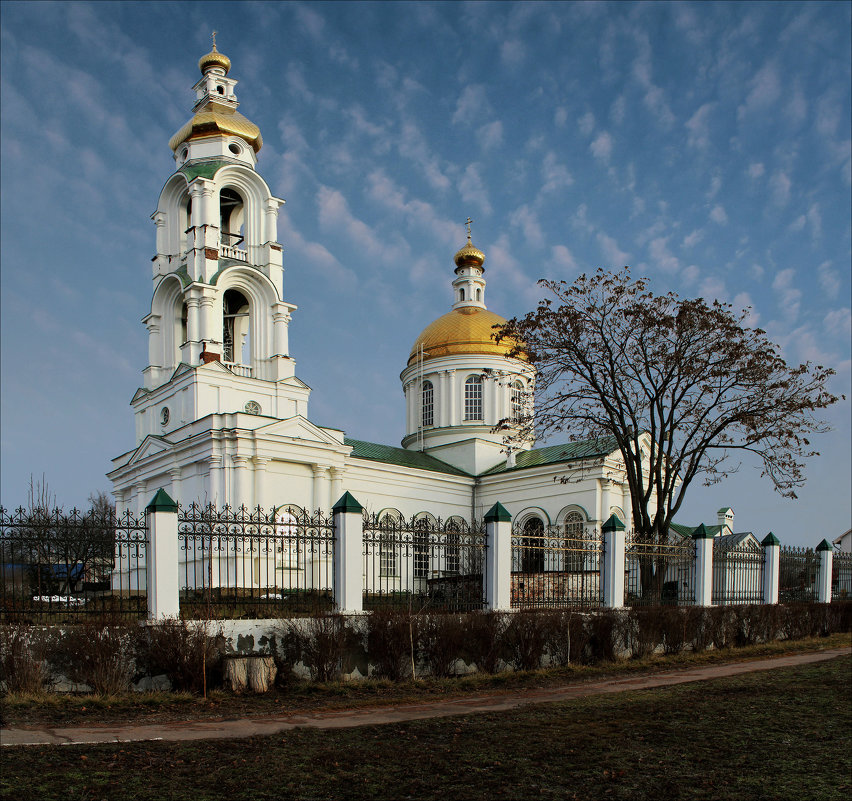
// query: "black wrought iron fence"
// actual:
[[798, 572], [737, 573], [841, 576], [254, 564], [57, 566], [423, 563], [659, 572], [556, 566]]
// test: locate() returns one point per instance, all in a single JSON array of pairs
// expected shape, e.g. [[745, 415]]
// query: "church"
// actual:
[[223, 417]]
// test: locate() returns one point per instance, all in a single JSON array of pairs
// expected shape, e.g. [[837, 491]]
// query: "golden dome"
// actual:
[[469, 255], [214, 59], [222, 121], [468, 329]]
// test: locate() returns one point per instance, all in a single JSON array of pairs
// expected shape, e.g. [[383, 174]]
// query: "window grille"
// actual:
[[574, 534], [387, 548], [428, 404], [473, 398], [452, 560], [421, 549]]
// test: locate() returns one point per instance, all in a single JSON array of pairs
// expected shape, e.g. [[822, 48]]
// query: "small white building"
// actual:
[[223, 418]]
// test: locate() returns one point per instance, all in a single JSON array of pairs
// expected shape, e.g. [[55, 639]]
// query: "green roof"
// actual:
[[553, 454], [205, 169], [400, 457], [686, 531]]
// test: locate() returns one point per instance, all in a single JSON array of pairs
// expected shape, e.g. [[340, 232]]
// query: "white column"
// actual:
[[260, 491], [162, 562], [214, 481], [336, 482], [139, 498], [703, 566], [348, 555], [498, 559], [771, 568], [280, 321], [320, 493], [175, 476], [606, 501], [442, 405], [826, 560], [242, 483], [453, 398], [612, 577]]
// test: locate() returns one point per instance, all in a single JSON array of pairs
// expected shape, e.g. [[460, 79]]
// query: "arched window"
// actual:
[[461, 293], [532, 546], [236, 328], [479, 294], [421, 548], [452, 550], [574, 541], [517, 400], [473, 398], [183, 324], [427, 404], [286, 541], [231, 213], [388, 538]]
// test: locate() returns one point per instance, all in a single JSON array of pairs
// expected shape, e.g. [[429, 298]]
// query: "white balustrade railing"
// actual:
[[238, 369], [228, 252]]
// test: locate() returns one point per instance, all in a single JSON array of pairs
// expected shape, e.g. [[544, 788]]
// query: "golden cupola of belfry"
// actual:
[[216, 118]]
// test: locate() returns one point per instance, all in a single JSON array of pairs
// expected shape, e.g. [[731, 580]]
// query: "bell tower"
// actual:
[[218, 309]]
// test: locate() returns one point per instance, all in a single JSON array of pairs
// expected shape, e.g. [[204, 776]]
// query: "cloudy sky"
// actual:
[[705, 145]]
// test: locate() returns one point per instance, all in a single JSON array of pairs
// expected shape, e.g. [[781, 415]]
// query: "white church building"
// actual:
[[223, 417]]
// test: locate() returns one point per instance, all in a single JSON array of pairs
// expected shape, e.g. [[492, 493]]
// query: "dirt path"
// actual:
[[249, 727]]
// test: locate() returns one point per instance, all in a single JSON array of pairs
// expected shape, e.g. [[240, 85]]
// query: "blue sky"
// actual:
[[705, 145]]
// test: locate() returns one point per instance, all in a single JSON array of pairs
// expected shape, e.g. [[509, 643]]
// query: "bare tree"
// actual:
[[679, 385]]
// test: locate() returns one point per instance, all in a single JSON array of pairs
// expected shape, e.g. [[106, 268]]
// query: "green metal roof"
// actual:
[[553, 454], [687, 531], [400, 457], [205, 169]]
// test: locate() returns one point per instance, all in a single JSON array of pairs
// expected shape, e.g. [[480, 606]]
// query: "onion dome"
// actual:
[[469, 256], [214, 59], [465, 330], [222, 121]]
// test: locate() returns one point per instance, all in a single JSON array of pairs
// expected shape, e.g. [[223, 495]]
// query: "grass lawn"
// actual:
[[781, 734]]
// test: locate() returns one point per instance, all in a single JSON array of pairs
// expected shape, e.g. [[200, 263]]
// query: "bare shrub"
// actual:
[[645, 631], [606, 630], [526, 638], [392, 642], [23, 663], [185, 652], [697, 628], [483, 637], [97, 654], [321, 643], [441, 638], [568, 637], [673, 629]]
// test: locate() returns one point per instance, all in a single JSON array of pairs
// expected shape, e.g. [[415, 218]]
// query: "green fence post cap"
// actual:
[[770, 539], [613, 524], [825, 545], [162, 502], [347, 503], [498, 514], [701, 533]]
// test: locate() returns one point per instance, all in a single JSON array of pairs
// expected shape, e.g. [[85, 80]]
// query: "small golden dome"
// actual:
[[466, 330], [469, 255], [222, 121], [214, 59]]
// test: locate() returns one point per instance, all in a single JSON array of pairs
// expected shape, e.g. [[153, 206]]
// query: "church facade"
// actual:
[[223, 418]]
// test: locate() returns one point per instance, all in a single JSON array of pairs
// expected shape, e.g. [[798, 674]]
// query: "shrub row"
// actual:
[[396, 644]]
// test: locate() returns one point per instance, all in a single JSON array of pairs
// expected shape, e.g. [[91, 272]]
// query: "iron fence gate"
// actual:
[[659, 572], [556, 566], [254, 564], [798, 571], [737, 573], [423, 562], [58, 566]]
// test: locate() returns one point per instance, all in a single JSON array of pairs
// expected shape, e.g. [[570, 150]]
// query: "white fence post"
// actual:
[[348, 555], [826, 559], [703, 566], [162, 558], [612, 566], [498, 559], [771, 568]]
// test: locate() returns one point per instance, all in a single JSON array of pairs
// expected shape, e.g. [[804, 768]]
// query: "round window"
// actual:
[[235, 149], [252, 407], [165, 416]]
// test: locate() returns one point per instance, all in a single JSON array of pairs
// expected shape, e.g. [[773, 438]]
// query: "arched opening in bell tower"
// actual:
[[231, 219], [236, 328]]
